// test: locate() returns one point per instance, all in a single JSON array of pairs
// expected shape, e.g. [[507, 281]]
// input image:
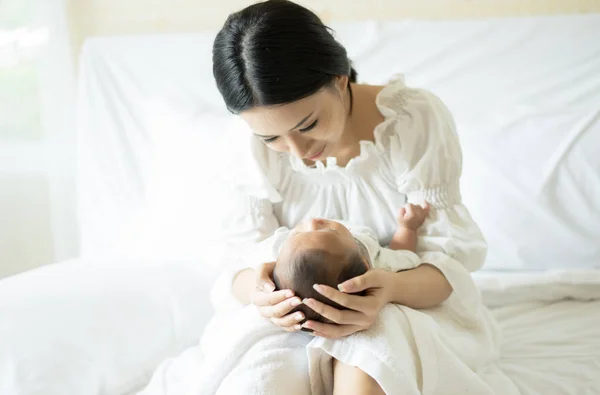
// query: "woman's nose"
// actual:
[[297, 146]]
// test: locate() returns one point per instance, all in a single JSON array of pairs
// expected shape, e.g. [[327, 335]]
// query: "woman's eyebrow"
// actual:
[[295, 127]]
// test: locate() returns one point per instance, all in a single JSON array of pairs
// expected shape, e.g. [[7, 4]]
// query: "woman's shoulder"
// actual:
[[251, 165], [399, 100], [418, 131], [413, 115]]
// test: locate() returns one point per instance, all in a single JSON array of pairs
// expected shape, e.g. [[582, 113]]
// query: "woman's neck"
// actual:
[[362, 120]]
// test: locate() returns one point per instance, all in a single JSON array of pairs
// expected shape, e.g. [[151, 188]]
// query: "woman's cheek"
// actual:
[[328, 131], [278, 146]]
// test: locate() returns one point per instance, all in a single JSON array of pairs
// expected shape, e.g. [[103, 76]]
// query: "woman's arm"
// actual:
[[422, 287], [255, 286], [243, 284], [419, 288]]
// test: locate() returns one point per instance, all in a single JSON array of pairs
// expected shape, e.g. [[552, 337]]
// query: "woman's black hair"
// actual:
[[276, 52]]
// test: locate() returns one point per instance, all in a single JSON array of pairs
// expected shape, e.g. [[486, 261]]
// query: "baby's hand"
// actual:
[[412, 216]]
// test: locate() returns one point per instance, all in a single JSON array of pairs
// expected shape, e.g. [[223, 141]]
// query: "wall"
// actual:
[[25, 230], [37, 140], [109, 17]]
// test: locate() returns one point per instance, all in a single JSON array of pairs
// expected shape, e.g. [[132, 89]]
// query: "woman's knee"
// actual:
[[351, 380]]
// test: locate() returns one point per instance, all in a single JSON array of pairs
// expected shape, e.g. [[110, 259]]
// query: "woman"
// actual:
[[327, 146]]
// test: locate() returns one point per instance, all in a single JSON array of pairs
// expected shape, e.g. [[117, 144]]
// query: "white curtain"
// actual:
[[37, 137]]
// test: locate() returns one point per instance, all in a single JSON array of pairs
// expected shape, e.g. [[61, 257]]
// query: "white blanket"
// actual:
[[406, 351]]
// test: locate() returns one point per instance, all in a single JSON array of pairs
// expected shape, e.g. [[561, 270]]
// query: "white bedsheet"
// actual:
[[551, 349]]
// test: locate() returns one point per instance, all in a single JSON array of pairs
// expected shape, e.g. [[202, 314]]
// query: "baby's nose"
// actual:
[[316, 223]]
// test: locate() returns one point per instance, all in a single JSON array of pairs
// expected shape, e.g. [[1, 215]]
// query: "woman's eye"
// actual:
[[270, 140], [304, 130], [309, 127]]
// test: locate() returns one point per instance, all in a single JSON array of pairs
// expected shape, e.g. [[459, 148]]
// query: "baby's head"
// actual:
[[318, 251]]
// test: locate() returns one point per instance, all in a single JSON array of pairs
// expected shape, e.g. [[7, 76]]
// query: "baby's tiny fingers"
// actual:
[[426, 207]]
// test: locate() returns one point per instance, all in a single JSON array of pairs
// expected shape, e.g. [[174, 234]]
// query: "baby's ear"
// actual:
[[366, 262]]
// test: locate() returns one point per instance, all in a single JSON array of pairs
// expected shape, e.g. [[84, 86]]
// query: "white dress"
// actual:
[[416, 156], [447, 350]]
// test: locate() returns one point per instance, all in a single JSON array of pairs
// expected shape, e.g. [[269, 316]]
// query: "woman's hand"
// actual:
[[362, 310], [275, 305]]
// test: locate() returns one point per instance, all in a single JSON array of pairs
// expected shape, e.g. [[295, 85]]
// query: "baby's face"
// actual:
[[320, 234]]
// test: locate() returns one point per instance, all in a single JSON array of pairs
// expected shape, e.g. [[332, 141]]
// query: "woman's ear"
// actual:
[[342, 83]]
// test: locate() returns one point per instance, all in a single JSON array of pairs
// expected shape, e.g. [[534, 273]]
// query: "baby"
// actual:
[[321, 251]]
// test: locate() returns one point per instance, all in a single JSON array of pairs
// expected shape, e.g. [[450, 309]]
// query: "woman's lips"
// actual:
[[316, 156]]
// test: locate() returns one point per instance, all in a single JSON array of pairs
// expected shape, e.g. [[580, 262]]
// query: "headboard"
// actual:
[[115, 17]]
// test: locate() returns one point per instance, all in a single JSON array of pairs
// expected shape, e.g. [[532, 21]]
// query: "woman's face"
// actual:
[[310, 128]]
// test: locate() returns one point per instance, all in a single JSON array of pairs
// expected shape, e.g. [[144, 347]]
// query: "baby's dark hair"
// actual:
[[312, 266]]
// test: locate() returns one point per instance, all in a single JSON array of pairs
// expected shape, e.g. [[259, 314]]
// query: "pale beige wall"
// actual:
[[25, 223], [110, 17]]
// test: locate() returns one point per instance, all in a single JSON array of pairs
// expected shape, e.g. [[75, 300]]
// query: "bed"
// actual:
[[525, 94]]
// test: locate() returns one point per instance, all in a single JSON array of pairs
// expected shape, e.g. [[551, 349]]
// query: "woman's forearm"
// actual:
[[419, 288], [243, 284]]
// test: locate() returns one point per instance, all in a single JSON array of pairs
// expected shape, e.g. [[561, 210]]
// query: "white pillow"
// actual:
[[184, 195], [97, 327], [151, 127], [532, 182]]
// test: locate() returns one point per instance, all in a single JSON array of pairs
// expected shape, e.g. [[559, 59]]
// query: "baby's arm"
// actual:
[[410, 218]]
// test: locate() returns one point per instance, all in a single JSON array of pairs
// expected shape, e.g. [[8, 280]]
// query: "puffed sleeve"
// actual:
[[250, 176], [426, 156]]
